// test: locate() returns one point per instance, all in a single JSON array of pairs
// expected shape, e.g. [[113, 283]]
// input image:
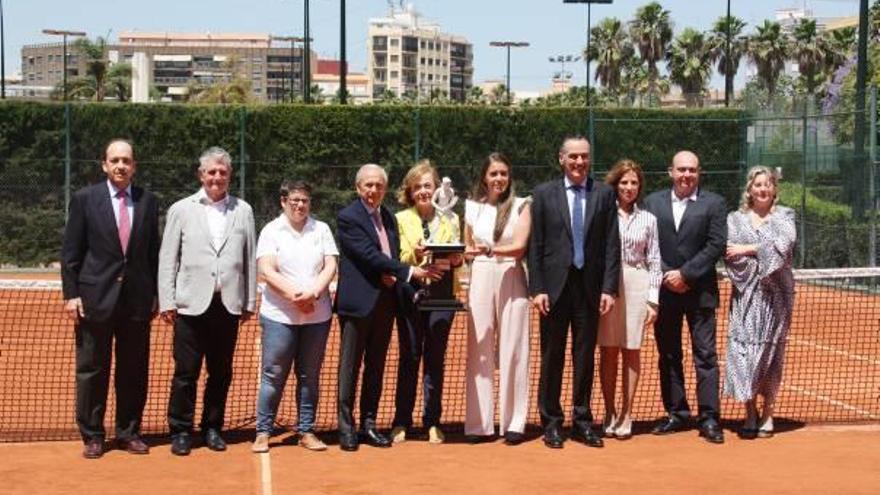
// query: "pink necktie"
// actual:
[[383, 236], [124, 222]]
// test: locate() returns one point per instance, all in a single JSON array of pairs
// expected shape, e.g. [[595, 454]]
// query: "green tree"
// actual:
[[475, 96], [231, 89], [841, 45], [768, 48], [651, 33], [690, 65], [718, 41], [611, 49]]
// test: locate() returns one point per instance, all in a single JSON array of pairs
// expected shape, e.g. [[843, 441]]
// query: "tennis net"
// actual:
[[832, 371]]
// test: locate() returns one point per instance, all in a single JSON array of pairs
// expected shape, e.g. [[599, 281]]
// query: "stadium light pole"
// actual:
[[307, 57], [728, 77], [509, 45], [2, 55], [859, 177], [343, 70], [64, 34], [562, 60], [587, 59]]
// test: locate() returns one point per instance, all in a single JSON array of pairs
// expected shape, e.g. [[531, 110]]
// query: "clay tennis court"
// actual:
[[832, 376]]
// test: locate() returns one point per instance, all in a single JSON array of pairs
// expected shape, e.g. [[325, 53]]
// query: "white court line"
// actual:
[[823, 347], [833, 402], [265, 482]]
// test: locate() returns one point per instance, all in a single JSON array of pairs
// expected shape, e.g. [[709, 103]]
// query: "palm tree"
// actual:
[[768, 49], [810, 51], [874, 21], [234, 89], [611, 49], [96, 63], [498, 95], [727, 65], [651, 33], [475, 96], [841, 45], [690, 65]]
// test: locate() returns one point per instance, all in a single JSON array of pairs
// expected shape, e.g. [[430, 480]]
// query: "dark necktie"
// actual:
[[577, 227]]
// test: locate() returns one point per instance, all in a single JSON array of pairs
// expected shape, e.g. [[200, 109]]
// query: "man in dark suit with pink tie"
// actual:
[[109, 261], [371, 279]]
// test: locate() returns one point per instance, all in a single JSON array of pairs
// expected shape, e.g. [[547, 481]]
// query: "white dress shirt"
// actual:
[[215, 212], [679, 205]]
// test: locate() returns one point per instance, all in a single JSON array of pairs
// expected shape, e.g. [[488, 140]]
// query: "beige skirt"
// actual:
[[624, 325]]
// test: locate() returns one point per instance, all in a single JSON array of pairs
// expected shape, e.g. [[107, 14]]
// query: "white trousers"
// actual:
[[499, 310]]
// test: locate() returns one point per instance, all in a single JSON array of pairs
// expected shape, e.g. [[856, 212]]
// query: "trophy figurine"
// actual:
[[440, 294]]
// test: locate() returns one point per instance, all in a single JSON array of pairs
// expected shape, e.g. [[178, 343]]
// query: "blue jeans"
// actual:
[[285, 345]]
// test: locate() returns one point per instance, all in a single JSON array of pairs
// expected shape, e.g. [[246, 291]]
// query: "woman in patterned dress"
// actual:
[[621, 329], [761, 240]]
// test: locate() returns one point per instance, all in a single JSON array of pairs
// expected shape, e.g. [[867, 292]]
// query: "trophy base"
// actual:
[[441, 305]]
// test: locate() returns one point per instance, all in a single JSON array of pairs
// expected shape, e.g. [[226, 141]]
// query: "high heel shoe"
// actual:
[[623, 429], [608, 426]]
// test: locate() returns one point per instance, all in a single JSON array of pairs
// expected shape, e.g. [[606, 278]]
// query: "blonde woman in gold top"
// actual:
[[421, 334]]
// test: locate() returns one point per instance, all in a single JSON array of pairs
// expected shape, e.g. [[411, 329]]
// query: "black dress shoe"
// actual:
[[711, 431], [375, 439], [133, 445], [669, 424], [181, 444], [513, 438], [586, 436], [348, 442], [475, 439], [93, 448], [214, 441], [553, 439]]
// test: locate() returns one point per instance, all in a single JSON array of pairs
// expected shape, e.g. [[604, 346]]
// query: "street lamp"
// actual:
[[508, 45], [64, 34]]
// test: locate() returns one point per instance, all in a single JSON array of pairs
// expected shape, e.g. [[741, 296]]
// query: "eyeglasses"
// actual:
[[293, 201]]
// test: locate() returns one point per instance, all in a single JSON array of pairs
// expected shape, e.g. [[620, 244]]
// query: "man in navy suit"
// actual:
[[692, 225], [109, 260], [371, 279], [574, 266]]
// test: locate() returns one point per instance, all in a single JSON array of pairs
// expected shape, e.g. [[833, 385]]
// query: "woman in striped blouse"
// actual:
[[621, 329]]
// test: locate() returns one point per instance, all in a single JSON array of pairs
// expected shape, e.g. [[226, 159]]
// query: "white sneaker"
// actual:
[[261, 444], [398, 434], [435, 435]]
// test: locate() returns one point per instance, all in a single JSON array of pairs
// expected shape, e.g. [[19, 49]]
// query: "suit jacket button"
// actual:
[[119, 279]]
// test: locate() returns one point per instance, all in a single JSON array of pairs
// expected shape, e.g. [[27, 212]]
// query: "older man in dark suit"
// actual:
[[109, 260], [692, 225], [574, 265], [370, 283]]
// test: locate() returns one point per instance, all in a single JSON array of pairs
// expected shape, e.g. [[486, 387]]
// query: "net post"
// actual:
[[872, 180]]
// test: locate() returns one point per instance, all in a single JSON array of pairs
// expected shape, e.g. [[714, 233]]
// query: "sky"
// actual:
[[551, 27]]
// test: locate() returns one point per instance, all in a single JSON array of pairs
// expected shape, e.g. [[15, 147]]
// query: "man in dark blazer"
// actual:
[[692, 225], [109, 260], [371, 280], [574, 265]]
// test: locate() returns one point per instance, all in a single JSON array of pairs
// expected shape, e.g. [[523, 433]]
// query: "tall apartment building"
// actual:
[[408, 55], [171, 61]]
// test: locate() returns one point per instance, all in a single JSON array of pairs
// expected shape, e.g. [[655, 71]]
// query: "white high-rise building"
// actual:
[[409, 55]]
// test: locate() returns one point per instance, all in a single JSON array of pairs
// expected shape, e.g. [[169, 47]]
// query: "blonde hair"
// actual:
[[412, 177], [746, 202]]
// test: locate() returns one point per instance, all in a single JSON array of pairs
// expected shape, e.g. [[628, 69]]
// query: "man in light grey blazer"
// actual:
[[207, 284]]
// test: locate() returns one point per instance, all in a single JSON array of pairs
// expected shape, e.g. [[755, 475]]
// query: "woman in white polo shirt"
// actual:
[[296, 256]]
